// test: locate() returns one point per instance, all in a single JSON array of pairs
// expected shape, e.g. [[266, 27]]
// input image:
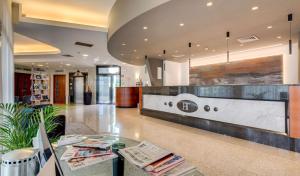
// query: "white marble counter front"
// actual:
[[267, 115]]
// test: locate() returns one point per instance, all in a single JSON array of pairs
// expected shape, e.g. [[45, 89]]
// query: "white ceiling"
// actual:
[[62, 12], [204, 26], [64, 39]]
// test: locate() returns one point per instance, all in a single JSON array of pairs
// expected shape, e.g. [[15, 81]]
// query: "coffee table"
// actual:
[[107, 168]]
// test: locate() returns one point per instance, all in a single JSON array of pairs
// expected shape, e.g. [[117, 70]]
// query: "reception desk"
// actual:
[[127, 97], [266, 114]]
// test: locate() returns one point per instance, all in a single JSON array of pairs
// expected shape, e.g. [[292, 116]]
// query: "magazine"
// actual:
[[70, 139], [77, 163], [94, 143], [162, 172], [158, 163], [67, 154], [181, 170], [89, 152], [175, 160], [143, 154]]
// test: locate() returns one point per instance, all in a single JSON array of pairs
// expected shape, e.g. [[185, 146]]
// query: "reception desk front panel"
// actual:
[[267, 115]]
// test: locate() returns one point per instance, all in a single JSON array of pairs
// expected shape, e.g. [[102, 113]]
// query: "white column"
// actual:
[[7, 58]]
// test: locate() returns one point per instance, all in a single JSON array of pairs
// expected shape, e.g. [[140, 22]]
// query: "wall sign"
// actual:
[[187, 106]]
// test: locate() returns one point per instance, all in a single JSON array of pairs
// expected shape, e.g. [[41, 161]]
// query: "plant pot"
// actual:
[[87, 98]]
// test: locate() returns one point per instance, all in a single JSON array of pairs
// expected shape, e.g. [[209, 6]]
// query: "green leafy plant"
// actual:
[[20, 124]]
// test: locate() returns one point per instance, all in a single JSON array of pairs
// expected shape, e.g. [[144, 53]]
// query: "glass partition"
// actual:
[[108, 78]]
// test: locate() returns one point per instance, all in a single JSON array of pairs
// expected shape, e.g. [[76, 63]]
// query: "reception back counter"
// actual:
[[266, 114]]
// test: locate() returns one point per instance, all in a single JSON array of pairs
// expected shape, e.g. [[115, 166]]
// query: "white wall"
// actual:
[[6, 54], [290, 62], [176, 74]]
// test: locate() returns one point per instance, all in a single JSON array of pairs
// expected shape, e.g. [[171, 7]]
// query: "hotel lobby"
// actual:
[[214, 83]]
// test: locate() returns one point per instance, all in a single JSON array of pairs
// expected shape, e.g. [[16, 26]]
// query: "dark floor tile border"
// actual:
[[252, 134]]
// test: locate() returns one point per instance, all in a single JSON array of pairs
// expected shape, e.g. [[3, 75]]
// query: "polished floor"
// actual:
[[213, 154]]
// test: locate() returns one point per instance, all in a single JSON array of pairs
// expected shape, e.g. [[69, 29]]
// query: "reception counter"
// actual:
[[127, 97], [266, 114]]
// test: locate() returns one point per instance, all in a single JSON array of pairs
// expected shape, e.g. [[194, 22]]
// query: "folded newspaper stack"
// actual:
[[88, 152], [156, 161]]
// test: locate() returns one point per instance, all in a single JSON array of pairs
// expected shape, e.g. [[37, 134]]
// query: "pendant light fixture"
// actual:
[[227, 40], [290, 20], [190, 46], [146, 57]]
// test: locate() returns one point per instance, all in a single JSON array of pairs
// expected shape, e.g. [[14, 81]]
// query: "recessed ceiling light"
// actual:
[[145, 27], [198, 45], [208, 4], [279, 37], [255, 8], [146, 40], [181, 24], [68, 64], [270, 27], [206, 49], [134, 50], [124, 44], [85, 55], [40, 65]]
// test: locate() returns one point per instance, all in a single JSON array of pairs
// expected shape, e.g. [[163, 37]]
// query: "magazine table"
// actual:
[[106, 168]]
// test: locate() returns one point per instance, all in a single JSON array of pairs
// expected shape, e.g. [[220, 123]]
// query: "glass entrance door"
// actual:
[[107, 82]]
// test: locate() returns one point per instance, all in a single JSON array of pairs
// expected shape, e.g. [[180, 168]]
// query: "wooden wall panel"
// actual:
[[266, 70], [294, 111]]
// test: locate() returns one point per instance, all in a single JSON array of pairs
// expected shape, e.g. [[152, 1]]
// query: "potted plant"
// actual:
[[19, 124]]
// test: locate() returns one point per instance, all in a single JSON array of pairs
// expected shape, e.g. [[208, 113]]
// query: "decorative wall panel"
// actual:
[[266, 70]]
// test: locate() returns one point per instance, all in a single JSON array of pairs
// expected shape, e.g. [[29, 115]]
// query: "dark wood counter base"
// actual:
[[252, 134], [127, 97]]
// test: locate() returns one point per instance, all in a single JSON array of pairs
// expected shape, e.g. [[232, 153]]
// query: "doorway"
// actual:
[[108, 78], [59, 89]]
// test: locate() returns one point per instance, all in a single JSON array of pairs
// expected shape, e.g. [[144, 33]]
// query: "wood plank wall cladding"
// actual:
[[264, 70]]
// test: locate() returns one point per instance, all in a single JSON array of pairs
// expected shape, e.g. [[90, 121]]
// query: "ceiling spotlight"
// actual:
[[40, 65], [198, 45], [145, 27], [68, 64], [270, 27], [85, 55], [208, 4], [124, 44], [146, 40], [255, 8], [279, 37], [206, 49], [181, 24]]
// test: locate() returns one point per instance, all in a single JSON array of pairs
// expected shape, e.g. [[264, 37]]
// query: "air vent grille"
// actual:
[[248, 39], [84, 44]]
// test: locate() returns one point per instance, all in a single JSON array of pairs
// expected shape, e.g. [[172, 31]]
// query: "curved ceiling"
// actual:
[[92, 13], [172, 25]]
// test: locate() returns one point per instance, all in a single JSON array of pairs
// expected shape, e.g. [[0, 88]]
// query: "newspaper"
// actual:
[[143, 154], [182, 169], [77, 163]]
